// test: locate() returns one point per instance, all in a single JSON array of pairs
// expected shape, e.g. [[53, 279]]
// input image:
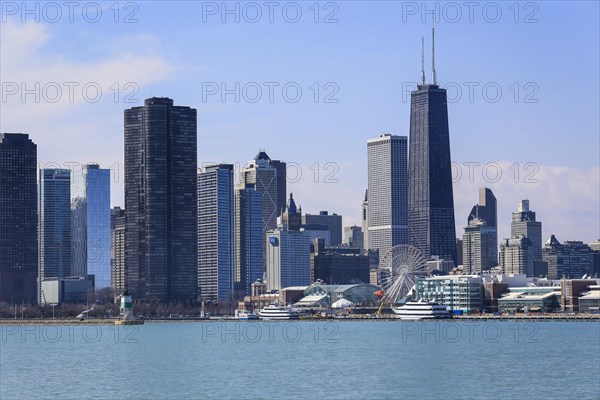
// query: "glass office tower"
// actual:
[[90, 224], [54, 221]]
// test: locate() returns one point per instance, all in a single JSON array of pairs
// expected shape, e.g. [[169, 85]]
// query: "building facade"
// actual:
[[570, 259], [387, 158], [457, 292], [281, 172], [364, 223], [54, 221], [332, 221], [314, 231], [288, 259], [517, 256], [117, 249], [338, 266], [90, 224], [160, 200], [249, 240], [215, 233], [487, 210], [18, 219], [479, 247], [353, 237], [524, 223], [595, 258], [261, 176]]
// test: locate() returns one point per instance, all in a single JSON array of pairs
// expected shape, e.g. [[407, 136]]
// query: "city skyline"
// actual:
[[192, 190], [231, 132]]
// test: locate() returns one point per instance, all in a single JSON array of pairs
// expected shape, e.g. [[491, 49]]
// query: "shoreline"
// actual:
[[468, 318]]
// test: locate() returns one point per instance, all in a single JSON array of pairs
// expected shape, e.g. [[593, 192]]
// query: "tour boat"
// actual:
[[416, 310], [274, 312]]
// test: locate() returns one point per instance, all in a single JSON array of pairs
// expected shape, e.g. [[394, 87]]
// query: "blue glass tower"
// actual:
[[54, 258], [248, 238], [90, 224]]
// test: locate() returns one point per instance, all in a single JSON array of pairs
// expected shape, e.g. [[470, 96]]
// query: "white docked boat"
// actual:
[[245, 315], [274, 312], [416, 310]]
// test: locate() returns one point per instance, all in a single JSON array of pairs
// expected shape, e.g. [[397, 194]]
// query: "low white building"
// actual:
[[457, 292]]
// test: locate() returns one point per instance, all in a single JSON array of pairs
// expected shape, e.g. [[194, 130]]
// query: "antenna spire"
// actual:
[[433, 75], [422, 61]]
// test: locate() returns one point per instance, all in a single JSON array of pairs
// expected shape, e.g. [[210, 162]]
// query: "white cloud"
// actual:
[[29, 60], [566, 200]]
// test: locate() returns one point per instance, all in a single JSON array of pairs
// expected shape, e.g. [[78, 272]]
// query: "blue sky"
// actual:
[[548, 54]]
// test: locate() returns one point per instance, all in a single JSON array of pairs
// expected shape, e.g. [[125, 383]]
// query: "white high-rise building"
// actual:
[[288, 259], [388, 192], [215, 232], [288, 251]]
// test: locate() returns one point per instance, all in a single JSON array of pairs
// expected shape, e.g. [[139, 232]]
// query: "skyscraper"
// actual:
[[281, 168], [117, 249], [261, 176], [90, 224], [479, 248], [215, 232], [54, 221], [516, 255], [430, 199], [486, 210], [18, 219], [524, 223], [249, 239], [160, 200], [288, 253], [388, 191]]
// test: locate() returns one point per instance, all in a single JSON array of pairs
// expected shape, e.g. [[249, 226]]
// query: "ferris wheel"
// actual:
[[398, 270]]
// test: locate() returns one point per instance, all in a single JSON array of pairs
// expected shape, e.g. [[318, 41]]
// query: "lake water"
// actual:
[[303, 360]]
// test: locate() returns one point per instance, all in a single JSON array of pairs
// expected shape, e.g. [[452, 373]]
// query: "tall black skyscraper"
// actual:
[[18, 219], [430, 199], [160, 200]]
